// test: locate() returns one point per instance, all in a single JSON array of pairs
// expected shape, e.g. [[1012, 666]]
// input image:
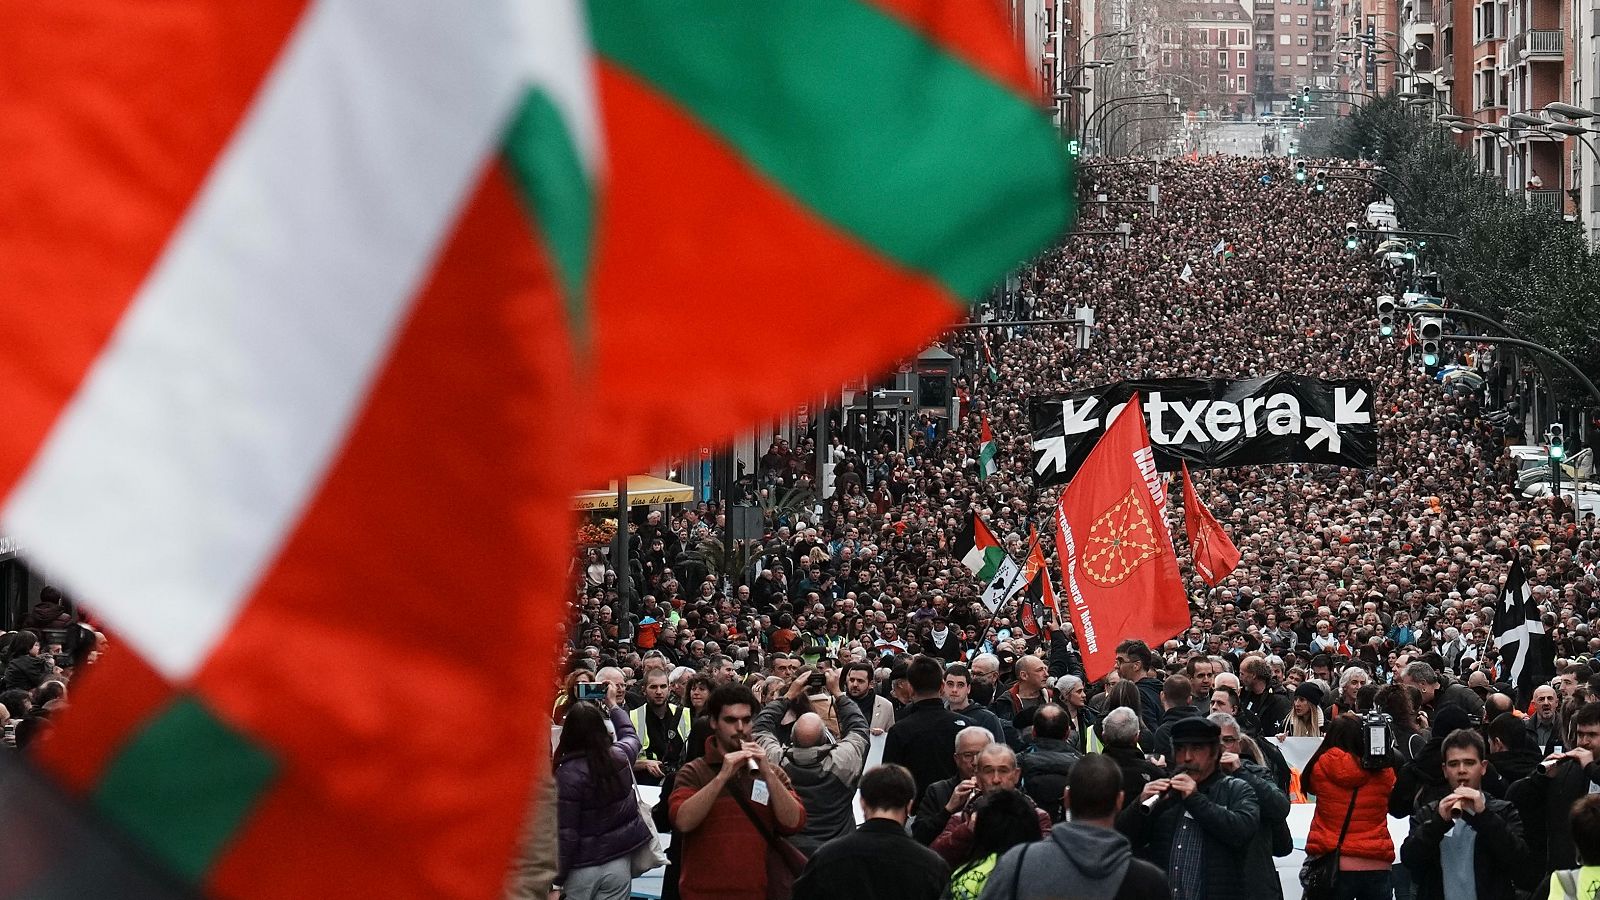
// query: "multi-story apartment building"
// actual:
[[1205, 53], [1534, 62], [1295, 48], [1585, 81]]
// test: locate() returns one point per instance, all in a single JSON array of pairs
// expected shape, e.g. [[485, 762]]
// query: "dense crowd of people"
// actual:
[[748, 683]]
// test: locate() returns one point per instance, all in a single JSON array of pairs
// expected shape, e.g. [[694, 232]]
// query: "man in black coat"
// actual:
[[1048, 761], [1439, 692], [948, 796], [1468, 837], [879, 861], [1120, 731], [1199, 823], [1545, 798], [1265, 704], [925, 730]]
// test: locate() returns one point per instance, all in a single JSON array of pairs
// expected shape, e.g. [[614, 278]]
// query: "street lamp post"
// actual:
[[1117, 131], [1105, 108]]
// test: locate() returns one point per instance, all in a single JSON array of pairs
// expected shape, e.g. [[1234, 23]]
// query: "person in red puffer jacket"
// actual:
[[1334, 774]]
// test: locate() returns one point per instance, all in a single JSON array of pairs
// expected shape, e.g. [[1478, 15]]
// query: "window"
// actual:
[[1241, 59], [1166, 35], [1283, 60], [1222, 59], [1285, 18], [1166, 59], [1300, 40], [1244, 87], [1284, 40], [1300, 20], [1300, 60], [1239, 38]]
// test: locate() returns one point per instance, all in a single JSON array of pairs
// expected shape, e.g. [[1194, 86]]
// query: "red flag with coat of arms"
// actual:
[[1117, 561], [1214, 553]]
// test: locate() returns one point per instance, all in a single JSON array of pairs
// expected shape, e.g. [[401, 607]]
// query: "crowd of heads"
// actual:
[[1387, 566]]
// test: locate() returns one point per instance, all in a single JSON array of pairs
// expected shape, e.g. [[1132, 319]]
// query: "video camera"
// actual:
[[1376, 732]]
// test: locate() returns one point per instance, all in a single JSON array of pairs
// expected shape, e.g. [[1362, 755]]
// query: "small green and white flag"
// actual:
[[986, 451]]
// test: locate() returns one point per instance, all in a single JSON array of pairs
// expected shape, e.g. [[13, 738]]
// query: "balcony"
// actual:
[[1550, 200], [1546, 45]]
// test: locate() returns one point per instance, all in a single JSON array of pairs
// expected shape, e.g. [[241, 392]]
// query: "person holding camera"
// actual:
[[598, 825], [1352, 781], [1468, 844], [823, 772], [1545, 798]]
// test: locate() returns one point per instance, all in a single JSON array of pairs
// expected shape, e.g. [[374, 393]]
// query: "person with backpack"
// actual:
[[1583, 882]]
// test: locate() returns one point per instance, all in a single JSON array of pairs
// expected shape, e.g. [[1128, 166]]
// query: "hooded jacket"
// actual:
[[1079, 861], [823, 776], [1337, 777]]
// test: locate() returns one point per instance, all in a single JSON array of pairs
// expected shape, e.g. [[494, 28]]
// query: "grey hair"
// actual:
[[988, 736], [1120, 727], [1223, 720], [1421, 672], [1349, 675], [1068, 683], [986, 657]]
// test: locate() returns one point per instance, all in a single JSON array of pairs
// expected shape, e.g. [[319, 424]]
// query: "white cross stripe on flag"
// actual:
[[1516, 621], [217, 407]]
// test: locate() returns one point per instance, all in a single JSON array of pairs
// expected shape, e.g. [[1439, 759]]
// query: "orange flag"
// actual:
[[1116, 555], [1214, 553]]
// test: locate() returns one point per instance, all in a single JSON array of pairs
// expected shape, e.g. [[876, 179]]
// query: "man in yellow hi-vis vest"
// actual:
[[663, 729]]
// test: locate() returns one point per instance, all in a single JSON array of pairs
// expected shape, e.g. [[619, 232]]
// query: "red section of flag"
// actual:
[[690, 224], [1030, 624], [403, 773], [1116, 556], [113, 116], [1035, 568], [1214, 553]]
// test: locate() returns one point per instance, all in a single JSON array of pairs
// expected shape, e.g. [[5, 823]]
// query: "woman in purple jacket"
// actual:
[[597, 815]]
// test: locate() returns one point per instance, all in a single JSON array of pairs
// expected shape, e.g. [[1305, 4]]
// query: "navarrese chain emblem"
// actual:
[[1120, 540]]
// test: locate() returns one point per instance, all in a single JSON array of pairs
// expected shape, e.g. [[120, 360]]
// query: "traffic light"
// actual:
[[1558, 447], [1300, 170], [1429, 330], [1320, 185], [1352, 238], [1074, 148], [1386, 315]]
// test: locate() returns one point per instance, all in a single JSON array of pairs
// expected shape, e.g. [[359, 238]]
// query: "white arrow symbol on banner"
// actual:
[[1075, 419], [1054, 453], [1347, 410], [1326, 433]]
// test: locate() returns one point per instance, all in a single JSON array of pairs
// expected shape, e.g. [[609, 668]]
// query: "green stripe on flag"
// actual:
[[875, 127], [183, 785], [544, 160], [993, 559]]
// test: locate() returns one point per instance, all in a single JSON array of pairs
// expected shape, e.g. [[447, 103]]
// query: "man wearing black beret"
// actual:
[[1197, 823]]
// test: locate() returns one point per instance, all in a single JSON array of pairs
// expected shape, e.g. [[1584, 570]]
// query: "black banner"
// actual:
[[1276, 418]]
